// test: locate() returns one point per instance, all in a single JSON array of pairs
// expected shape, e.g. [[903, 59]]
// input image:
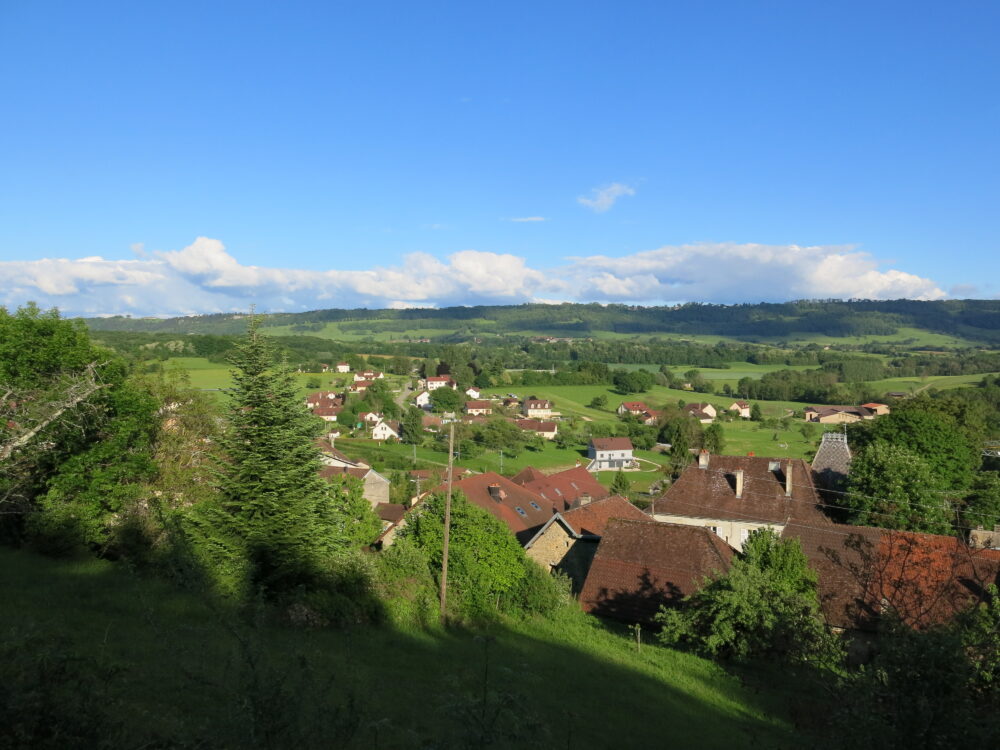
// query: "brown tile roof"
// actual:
[[327, 411], [537, 403], [593, 517], [612, 444], [391, 512], [535, 425], [710, 492], [642, 564], [479, 405], [328, 472], [926, 579], [564, 488], [504, 502]]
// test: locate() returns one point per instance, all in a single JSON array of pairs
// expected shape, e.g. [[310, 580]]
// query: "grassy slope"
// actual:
[[588, 686]]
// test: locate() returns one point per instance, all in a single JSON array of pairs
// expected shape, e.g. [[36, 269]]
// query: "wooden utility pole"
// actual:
[[447, 523]]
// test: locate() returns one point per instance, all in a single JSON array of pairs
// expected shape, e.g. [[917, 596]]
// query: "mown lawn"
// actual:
[[197, 674], [916, 384]]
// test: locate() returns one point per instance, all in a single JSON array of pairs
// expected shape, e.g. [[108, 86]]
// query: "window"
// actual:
[[520, 510], [535, 505], [744, 535]]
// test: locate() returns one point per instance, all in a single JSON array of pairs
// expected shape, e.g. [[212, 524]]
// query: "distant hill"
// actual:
[[973, 321]]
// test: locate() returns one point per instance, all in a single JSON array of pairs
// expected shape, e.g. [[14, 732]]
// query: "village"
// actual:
[[626, 562]]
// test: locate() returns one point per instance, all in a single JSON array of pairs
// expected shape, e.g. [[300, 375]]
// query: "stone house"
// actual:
[[735, 495], [568, 540]]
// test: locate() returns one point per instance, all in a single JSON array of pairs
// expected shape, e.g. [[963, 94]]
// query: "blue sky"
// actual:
[[194, 157]]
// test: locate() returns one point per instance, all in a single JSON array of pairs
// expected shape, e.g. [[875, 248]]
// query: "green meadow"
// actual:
[[178, 669]]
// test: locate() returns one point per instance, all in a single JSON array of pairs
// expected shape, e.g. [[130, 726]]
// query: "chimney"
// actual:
[[703, 459], [495, 492], [739, 483], [788, 479]]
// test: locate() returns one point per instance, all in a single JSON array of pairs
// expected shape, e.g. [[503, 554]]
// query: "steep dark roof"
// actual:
[[710, 493], [391, 512], [833, 460], [643, 564]]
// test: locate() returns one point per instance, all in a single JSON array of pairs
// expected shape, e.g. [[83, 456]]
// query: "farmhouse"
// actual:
[[385, 430], [440, 381], [742, 409], [568, 540], [360, 386], [704, 413], [836, 414], [609, 454], [343, 367], [547, 430], [735, 495], [539, 408], [632, 407], [480, 408]]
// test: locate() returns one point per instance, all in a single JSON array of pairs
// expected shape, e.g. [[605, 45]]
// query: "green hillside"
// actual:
[[164, 668]]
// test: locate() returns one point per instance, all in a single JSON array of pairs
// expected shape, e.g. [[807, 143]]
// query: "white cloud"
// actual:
[[205, 277], [604, 198], [527, 219]]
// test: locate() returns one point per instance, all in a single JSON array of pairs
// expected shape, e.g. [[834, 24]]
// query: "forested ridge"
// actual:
[[977, 320]]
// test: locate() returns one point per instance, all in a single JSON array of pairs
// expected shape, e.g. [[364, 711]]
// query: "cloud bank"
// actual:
[[204, 278]]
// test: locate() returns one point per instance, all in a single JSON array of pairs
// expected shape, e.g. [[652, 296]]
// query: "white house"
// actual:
[[343, 367], [742, 408], [368, 375], [440, 381], [475, 408], [608, 454], [423, 400], [537, 408], [386, 431], [370, 417], [472, 392]]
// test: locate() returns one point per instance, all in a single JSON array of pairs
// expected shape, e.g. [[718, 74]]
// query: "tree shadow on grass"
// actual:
[[189, 672]]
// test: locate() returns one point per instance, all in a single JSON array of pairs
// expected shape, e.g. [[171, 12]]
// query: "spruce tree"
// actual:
[[292, 522], [621, 485]]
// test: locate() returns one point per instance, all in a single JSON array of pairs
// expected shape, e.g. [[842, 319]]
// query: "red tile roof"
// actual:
[[505, 501], [535, 425], [642, 564], [564, 488], [926, 579], [593, 517], [488, 405], [328, 472]]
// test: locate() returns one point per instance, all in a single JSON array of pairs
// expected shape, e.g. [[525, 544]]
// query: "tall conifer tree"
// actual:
[[292, 521]]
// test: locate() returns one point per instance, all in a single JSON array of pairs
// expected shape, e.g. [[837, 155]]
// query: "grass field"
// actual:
[[197, 674], [916, 385]]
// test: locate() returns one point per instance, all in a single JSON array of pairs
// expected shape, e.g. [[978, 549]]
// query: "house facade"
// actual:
[[440, 381], [610, 454], [733, 496], [386, 431], [343, 367], [478, 408], [537, 408], [742, 409]]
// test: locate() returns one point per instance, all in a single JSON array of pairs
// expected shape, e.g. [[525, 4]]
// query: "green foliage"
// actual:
[[446, 399], [488, 571], [765, 607], [928, 692], [413, 426], [632, 381], [291, 521], [715, 439], [936, 437], [620, 485], [755, 413], [893, 487], [598, 402], [982, 505]]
